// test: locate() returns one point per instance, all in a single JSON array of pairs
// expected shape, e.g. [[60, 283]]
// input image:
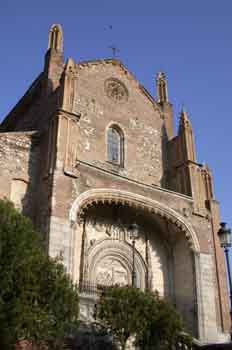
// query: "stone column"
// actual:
[[76, 247], [59, 239]]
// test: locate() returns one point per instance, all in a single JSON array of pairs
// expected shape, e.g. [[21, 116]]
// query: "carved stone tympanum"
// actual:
[[110, 272]]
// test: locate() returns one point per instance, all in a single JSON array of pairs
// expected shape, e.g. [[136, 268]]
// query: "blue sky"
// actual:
[[191, 41]]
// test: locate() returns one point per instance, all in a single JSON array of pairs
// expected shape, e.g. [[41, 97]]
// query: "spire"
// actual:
[[184, 120], [55, 38], [161, 87], [185, 133], [68, 79], [207, 178], [69, 66], [53, 66]]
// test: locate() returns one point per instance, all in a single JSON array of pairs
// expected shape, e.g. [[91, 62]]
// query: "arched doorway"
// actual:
[[164, 259]]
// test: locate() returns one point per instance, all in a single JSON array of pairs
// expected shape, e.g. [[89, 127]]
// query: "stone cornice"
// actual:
[[152, 187], [75, 116]]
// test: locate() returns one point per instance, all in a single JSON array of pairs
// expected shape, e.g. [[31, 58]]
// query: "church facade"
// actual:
[[87, 152]]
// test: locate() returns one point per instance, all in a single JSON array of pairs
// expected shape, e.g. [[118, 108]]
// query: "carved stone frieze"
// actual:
[[106, 228]]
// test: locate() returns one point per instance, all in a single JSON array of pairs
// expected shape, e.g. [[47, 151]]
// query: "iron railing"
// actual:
[[90, 288]]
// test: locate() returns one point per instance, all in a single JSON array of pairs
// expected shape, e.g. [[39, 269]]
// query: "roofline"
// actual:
[[116, 61], [26, 98]]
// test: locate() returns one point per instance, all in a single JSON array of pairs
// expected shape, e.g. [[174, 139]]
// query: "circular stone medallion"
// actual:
[[116, 90]]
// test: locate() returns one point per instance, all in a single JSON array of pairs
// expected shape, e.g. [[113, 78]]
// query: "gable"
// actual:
[[107, 94], [113, 69], [117, 66]]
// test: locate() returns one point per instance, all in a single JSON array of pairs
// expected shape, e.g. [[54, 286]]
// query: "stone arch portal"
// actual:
[[108, 261]]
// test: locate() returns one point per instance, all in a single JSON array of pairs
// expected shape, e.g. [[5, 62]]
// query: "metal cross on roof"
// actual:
[[115, 50]]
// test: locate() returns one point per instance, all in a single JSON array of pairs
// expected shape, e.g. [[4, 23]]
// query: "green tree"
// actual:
[[164, 327], [121, 310], [38, 301], [127, 311]]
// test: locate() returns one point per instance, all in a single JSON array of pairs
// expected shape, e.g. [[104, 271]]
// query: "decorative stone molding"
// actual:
[[108, 195]]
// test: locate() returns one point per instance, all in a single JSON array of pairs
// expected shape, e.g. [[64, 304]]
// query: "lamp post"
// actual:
[[134, 233], [224, 235]]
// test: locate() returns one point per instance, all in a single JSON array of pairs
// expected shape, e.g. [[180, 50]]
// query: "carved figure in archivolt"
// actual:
[[95, 231], [105, 229]]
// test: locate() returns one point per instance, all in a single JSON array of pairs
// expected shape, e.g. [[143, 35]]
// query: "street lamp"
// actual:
[[224, 235], [134, 234]]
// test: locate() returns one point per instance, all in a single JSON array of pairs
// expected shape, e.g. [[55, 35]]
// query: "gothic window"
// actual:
[[115, 145]]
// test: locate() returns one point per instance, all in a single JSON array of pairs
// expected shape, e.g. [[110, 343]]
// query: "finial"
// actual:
[[183, 113], [55, 38], [183, 108], [160, 75], [67, 83], [184, 119], [69, 65], [161, 86]]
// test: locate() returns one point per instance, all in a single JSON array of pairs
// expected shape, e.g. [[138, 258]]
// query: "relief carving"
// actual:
[[105, 229], [110, 272], [109, 262], [118, 232]]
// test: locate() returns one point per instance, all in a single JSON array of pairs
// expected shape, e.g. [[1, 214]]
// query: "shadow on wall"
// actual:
[[36, 202], [28, 201], [164, 151]]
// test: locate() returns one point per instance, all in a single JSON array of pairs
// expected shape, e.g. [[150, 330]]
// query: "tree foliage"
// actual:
[[164, 327], [119, 309], [127, 311], [38, 301]]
